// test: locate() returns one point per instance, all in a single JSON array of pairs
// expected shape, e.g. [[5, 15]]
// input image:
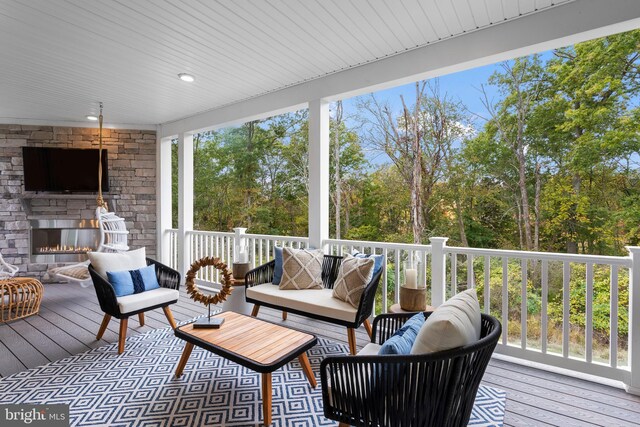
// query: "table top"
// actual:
[[395, 308], [257, 344]]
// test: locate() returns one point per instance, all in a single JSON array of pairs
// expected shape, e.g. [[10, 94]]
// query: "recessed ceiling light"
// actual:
[[186, 77], [92, 118]]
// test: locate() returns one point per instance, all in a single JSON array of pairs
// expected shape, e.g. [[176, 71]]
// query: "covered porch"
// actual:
[[564, 346], [552, 359]]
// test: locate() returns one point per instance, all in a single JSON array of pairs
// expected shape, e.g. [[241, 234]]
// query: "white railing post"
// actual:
[[633, 383], [438, 270], [240, 244]]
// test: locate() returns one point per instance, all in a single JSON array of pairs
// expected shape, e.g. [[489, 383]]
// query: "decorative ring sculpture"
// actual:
[[192, 288]]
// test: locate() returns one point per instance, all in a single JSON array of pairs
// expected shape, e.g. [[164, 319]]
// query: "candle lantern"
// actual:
[[413, 297], [241, 264]]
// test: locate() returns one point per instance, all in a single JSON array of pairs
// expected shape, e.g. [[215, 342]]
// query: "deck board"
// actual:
[[70, 317]]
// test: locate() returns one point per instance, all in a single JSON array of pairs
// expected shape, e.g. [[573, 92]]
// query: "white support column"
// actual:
[[318, 172], [185, 198], [438, 270], [163, 197], [633, 384]]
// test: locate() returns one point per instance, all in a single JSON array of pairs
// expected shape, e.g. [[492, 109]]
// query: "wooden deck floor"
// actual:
[[70, 317]]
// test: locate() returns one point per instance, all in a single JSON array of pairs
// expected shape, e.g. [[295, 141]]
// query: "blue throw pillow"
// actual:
[[377, 260], [402, 340], [149, 278], [133, 281], [277, 270], [121, 282]]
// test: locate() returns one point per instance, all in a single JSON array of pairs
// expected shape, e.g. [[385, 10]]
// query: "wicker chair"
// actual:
[[113, 238], [111, 305], [436, 389], [330, 268]]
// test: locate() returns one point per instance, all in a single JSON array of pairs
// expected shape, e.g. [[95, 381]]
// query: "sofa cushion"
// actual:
[[371, 349], [135, 302], [107, 261], [403, 339], [301, 268], [455, 323], [314, 301], [353, 276], [277, 268]]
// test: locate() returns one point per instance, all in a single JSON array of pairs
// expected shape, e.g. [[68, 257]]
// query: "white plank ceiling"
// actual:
[[58, 58]]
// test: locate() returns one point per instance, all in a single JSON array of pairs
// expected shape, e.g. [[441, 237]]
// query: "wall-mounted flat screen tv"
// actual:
[[63, 169]]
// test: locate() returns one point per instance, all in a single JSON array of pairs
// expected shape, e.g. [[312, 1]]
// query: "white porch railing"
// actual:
[[514, 286]]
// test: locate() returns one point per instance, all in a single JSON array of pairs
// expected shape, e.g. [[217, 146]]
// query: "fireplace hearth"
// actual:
[[63, 240]]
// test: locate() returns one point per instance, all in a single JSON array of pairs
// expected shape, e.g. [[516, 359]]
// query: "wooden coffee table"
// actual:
[[256, 344]]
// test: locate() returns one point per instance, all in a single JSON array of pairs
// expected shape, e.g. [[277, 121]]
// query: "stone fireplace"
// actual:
[[62, 240], [35, 232]]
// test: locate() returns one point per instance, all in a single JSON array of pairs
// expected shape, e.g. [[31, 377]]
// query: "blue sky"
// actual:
[[463, 86]]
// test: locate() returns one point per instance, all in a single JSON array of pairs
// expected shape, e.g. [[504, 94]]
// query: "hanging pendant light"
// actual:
[[99, 200]]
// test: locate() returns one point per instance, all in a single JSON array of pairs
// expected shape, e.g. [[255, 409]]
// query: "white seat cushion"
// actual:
[[454, 324], [314, 301], [146, 299], [370, 349]]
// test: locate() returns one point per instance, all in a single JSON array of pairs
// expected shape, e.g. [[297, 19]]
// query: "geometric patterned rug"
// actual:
[[139, 388]]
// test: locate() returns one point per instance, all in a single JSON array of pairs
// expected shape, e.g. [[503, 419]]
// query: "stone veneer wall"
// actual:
[[132, 186]]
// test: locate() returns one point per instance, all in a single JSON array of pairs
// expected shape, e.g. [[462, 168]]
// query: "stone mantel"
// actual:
[[26, 198]]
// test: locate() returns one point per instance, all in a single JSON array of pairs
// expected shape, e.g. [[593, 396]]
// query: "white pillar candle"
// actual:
[[411, 278]]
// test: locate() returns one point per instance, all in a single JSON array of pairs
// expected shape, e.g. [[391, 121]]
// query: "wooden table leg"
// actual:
[[266, 399], [183, 359], [306, 368]]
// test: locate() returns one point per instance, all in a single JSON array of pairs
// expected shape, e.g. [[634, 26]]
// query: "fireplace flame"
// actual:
[[64, 249]]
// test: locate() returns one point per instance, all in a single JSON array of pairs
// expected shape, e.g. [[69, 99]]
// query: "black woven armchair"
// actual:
[[330, 268], [436, 389], [113, 306]]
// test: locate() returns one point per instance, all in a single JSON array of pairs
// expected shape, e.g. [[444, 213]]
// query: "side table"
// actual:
[[236, 301], [395, 308], [19, 297]]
